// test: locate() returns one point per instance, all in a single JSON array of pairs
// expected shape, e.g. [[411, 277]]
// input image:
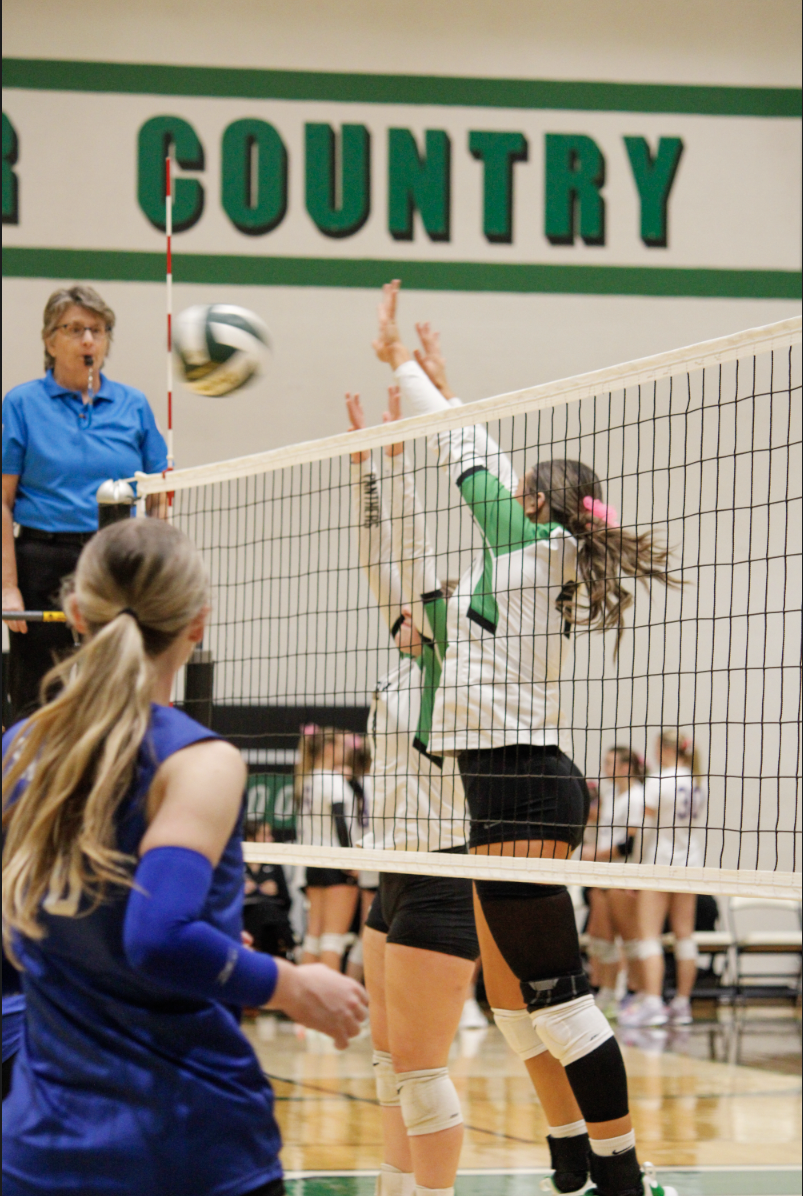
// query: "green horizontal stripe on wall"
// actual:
[[45, 74], [248, 270]]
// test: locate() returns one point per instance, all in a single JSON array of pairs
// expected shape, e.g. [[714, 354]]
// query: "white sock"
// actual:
[[607, 1147], [422, 1191], [392, 1182], [572, 1130]]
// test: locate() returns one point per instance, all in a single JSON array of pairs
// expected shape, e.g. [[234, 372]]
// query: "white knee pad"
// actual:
[[686, 949], [596, 946], [632, 948], [333, 942], [429, 1101], [311, 944], [521, 1035], [650, 947], [573, 1029], [355, 954], [609, 951], [387, 1089]]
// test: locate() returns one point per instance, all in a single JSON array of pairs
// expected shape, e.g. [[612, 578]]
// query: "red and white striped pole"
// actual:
[[169, 231]]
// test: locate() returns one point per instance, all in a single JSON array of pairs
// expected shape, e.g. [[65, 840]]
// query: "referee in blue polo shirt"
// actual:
[[63, 435]]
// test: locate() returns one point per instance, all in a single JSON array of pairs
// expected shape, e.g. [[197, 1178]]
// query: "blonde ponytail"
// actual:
[[137, 586], [685, 748], [311, 747]]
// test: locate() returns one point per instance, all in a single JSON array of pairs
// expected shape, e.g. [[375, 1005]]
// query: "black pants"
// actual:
[[41, 567]]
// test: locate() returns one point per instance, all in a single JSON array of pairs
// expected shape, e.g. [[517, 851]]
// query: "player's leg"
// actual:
[[624, 916], [682, 912], [425, 992], [339, 904], [567, 1136], [534, 927], [650, 1010], [311, 947], [603, 949], [396, 1177]]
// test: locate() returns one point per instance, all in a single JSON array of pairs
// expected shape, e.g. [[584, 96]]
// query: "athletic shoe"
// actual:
[[649, 1182], [679, 1012], [472, 1017], [547, 1184], [649, 1011], [651, 1185], [650, 1039]]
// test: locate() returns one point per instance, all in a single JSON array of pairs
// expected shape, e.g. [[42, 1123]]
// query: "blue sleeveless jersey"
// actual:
[[124, 1087]]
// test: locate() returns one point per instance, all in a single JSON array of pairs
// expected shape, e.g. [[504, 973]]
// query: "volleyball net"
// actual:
[[699, 447]]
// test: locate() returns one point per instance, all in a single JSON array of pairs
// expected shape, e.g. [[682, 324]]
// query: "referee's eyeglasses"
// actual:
[[75, 331]]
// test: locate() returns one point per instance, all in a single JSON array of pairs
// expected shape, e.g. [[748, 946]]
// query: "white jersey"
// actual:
[[674, 823], [617, 812], [509, 640], [323, 796], [417, 798]]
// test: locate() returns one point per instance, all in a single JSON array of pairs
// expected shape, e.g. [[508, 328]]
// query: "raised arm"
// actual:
[[373, 528], [412, 550]]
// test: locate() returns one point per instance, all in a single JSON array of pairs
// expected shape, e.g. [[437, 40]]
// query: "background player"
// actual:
[[616, 836], [325, 817], [675, 804]]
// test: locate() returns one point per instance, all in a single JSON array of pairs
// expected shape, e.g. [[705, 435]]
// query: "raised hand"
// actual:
[[431, 359], [388, 344], [357, 421], [390, 416], [321, 999]]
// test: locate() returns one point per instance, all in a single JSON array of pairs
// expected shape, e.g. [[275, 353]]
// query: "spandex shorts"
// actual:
[[327, 878], [432, 913], [523, 791]]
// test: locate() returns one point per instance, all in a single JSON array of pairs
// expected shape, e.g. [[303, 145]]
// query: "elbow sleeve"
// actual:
[[165, 939]]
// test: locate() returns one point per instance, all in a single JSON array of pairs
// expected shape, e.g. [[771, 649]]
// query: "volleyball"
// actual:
[[220, 346]]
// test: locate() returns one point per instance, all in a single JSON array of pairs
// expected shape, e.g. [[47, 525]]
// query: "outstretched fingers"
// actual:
[[390, 416], [356, 413], [357, 420]]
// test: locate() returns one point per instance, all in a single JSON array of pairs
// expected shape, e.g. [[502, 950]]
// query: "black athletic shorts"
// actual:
[[523, 791], [274, 1187], [327, 878], [432, 913]]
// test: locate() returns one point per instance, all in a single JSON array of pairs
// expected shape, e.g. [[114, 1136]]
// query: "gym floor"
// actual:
[[716, 1106]]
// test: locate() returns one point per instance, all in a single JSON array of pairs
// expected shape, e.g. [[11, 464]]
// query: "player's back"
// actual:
[[114, 1066]]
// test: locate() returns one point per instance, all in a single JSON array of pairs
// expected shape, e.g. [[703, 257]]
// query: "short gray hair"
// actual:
[[80, 296]]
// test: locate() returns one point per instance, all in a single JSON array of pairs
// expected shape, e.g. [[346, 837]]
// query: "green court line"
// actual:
[[45, 74], [688, 1181], [251, 270]]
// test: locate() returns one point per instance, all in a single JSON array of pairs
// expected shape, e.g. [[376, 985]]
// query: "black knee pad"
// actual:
[[515, 890], [533, 927], [599, 1083]]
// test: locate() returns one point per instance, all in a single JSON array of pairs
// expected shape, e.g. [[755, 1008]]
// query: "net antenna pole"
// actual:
[[169, 280]]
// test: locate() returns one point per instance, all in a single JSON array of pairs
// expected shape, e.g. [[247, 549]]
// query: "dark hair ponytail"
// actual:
[[604, 552]]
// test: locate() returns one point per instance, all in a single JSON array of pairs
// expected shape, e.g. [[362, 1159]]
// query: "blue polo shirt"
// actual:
[[62, 449]]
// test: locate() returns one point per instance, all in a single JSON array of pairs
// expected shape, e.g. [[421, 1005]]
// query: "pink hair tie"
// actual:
[[600, 511], [309, 729]]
